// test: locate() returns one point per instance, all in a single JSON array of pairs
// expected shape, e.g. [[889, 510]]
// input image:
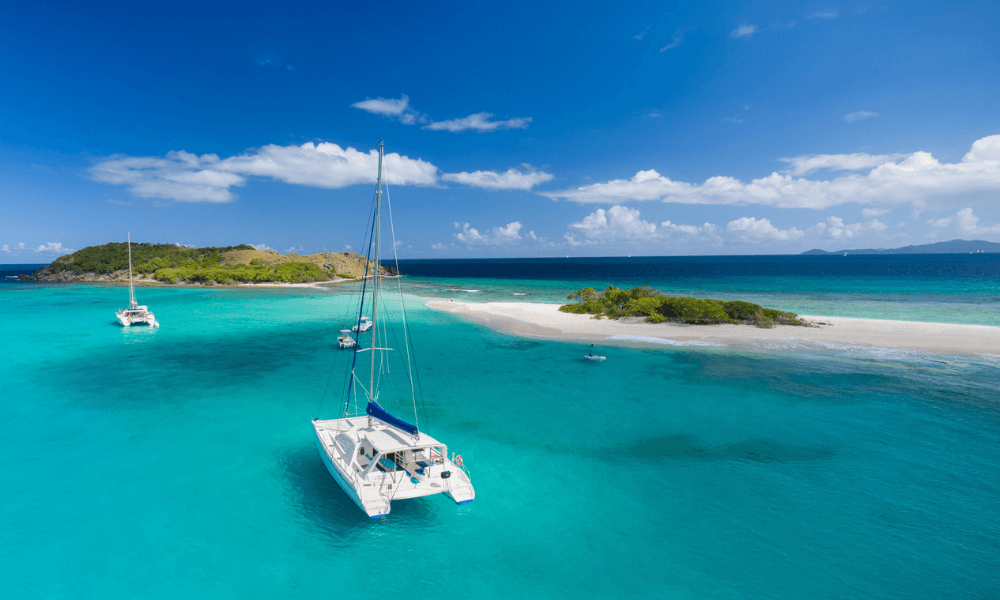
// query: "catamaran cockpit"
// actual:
[[385, 451], [417, 463]]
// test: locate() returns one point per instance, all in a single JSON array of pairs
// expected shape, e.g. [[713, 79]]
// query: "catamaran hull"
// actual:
[[127, 319], [126, 322], [341, 480]]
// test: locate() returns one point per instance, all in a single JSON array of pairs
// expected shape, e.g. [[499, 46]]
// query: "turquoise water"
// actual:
[[947, 301], [178, 462]]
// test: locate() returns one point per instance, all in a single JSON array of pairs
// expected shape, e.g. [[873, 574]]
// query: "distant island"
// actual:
[[169, 263], [656, 308], [950, 247]]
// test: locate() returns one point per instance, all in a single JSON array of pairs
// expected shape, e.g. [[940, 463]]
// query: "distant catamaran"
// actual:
[[134, 313], [374, 456]]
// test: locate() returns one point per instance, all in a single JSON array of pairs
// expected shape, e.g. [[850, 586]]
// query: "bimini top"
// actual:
[[387, 440]]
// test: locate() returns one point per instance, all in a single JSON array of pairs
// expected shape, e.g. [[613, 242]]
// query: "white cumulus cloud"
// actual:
[[497, 236], [186, 177], [180, 176], [328, 165], [54, 248], [743, 31], [916, 178], [967, 223], [262, 247], [16, 249], [618, 222], [835, 228], [708, 229], [512, 179], [753, 229]]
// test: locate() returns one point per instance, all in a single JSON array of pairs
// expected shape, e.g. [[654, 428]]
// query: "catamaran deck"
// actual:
[[403, 468]]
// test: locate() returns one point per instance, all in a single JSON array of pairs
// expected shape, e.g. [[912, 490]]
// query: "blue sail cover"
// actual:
[[380, 413]]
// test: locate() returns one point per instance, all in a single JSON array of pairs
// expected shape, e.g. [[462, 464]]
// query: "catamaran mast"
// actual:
[[131, 290], [378, 229]]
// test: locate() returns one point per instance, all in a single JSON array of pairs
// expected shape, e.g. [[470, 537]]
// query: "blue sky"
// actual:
[[513, 129]]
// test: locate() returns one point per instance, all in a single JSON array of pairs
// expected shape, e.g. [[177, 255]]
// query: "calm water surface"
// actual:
[[179, 462]]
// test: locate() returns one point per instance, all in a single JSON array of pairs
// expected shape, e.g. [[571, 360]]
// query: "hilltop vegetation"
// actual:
[[169, 263], [657, 308], [146, 258]]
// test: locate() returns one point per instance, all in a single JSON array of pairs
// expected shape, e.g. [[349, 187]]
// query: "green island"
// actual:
[[170, 263], [647, 302]]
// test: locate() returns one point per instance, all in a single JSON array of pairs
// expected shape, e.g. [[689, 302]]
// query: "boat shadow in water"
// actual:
[[326, 506], [521, 345], [683, 446], [678, 446], [230, 360]]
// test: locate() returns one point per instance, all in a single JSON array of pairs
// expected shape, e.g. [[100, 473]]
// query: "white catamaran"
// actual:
[[134, 313], [374, 456]]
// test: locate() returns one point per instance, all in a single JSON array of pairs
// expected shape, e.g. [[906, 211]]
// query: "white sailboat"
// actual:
[[375, 457], [134, 313]]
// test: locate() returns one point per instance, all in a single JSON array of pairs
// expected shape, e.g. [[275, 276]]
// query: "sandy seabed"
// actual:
[[545, 321]]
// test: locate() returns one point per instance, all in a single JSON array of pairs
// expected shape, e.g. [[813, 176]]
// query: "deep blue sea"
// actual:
[[179, 463]]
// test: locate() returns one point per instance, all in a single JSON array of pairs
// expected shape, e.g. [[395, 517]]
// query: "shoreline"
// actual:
[[533, 319], [160, 284], [150, 283]]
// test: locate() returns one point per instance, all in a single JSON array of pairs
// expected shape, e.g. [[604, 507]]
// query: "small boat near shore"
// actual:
[[363, 325], [593, 357], [134, 313], [345, 340], [374, 456]]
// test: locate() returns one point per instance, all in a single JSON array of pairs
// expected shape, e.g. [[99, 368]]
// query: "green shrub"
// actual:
[[647, 302], [646, 306]]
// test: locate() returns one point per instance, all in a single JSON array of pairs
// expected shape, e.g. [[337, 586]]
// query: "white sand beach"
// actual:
[[545, 321], [312, 284]]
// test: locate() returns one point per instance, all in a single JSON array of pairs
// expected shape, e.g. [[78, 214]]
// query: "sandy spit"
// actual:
[[532, 319]]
